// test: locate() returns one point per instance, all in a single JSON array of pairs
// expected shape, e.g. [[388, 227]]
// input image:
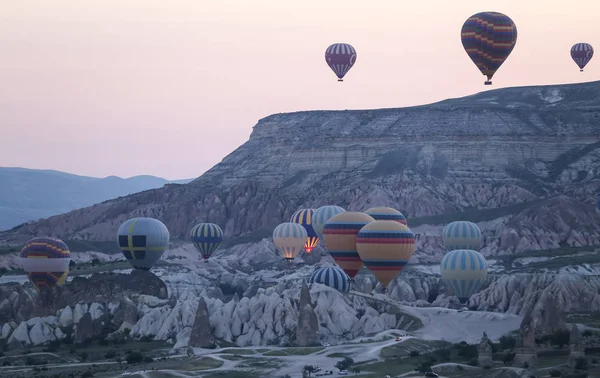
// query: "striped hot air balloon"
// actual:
[[46, 262], [289, 238], [385, 248], [339, 236], [143, 241], [332, 276], [206, 237], [304, 217], [463, 270], [488, 39], [340, 57], [462, 235], [387, 213], [582, 53], [322, 215]]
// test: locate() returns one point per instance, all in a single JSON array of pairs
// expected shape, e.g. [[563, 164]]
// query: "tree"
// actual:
[[345, 363], [355, 370], [83, 356], [508, 358], [560, 337], [134, 358], [308, 370]]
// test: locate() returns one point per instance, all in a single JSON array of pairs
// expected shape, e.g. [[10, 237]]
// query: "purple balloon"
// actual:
[[340, 57], [582, 53]]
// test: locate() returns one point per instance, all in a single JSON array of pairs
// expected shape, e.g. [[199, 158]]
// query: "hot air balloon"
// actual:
[[331, 276], [461, 235], [46, 262], [206, 238], [289, 238], [339, 236], [582, 53], [464, 271], [143, 241], [386, 213], [340, 57], [385, 247], [322, 215], [304, 217], [488, 39]]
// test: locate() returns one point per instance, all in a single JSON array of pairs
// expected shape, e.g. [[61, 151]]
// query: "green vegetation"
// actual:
[[404, 349], [475, 215], [239, 351], [337, 355], [294, 351], [262, 363], [232, 374], [591, 319], [561, 251], [204, 363]]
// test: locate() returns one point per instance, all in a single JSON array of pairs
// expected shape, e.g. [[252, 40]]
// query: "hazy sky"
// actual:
[[170, 87]]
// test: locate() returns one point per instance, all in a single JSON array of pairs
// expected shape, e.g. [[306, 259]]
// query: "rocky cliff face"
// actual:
[[491, 150]]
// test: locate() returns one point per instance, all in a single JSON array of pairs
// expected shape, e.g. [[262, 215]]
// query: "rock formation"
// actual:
[[525, 354], [484, 351], [202, 333], [577, 350], [307, 332]]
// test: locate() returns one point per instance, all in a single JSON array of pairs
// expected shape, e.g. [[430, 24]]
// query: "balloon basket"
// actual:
[[488, 83], [581, 70], [340, 79], [206, 261]]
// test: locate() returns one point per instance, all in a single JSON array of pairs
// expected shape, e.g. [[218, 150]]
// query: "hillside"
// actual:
[[31, 194], [489, 157]]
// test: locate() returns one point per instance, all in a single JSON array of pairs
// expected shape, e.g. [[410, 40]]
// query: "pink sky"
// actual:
[[170, 87]]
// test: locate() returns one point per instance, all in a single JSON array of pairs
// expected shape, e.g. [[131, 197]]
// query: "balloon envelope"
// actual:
[[340, 57], [143, 241], [461, 235], [289, 238], [206, 237], [488, 39], [385, 247], [46, 262], [386, 213], [304, 217], [463, 270], [339, 236], [582, 53], [332, 276], [322, 215]]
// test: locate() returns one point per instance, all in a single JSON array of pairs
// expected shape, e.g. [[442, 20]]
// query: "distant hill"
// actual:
[[31, 194]]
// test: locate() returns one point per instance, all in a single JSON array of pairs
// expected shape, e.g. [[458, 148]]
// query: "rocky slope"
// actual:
[[491, 150], [31, 194]]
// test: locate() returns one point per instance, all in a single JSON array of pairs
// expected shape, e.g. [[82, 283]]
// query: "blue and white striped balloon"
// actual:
[[332, 276], [462, 235], [464, 270], [289, 238], [322, 215]]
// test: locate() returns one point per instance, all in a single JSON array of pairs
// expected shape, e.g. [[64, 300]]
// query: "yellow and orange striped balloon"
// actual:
[[385, 247]]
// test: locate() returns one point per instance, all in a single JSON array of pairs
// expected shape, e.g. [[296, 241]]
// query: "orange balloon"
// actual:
[[339, 236]]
